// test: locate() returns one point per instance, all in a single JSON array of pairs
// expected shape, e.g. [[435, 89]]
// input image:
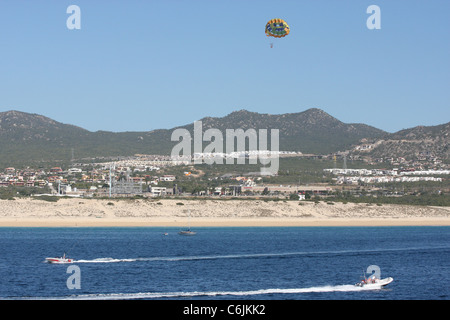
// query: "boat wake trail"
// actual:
[[243, 256], [187, 258], [158, 295], [106, 260]]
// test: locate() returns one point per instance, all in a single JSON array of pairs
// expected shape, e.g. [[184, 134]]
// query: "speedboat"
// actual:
[[373, 282], [62, 259]]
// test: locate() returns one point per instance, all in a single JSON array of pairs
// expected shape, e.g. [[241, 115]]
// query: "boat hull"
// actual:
[[377, 284], [58, 260], [386, 281], [187, 233]]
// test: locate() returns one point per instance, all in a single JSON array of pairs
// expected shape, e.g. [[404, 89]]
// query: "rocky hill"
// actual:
[[310, 131], [28, 137], [418, 143]]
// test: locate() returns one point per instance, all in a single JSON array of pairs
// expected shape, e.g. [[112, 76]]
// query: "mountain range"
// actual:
[[32, 137]]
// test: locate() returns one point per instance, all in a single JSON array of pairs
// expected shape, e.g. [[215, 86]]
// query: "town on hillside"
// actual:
[[301, 177]]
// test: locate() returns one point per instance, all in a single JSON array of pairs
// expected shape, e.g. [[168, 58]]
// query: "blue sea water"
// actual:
[[263, 263]]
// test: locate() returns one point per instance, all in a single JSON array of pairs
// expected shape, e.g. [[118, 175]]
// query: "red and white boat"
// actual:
[[62, 259]]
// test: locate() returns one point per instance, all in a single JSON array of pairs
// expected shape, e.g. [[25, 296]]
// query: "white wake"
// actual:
[[250, 255], [181, 294]]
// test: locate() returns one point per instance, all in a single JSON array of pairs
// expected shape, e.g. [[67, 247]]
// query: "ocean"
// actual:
[[230, 263]]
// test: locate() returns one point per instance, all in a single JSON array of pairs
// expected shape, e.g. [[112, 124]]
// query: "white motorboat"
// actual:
[[373, 282], [62, 259]]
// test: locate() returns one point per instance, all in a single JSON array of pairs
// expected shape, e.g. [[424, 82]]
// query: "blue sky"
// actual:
[[144, 65]]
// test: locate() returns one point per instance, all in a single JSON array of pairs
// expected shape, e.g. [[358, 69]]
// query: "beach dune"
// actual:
[[29, 212]]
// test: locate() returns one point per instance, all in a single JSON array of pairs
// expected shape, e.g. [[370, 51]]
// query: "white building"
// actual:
[[167, 178], [158, 191]]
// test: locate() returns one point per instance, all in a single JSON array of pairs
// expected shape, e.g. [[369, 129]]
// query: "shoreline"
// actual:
[[28, 212], [73, 223]]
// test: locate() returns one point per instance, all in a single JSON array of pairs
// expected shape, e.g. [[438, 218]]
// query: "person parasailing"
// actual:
[[277, 28]]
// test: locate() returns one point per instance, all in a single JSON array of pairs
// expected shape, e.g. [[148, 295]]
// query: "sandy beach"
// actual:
[[175, 212]]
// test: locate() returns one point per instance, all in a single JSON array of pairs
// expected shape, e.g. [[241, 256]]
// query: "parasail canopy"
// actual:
[[277, 28]]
